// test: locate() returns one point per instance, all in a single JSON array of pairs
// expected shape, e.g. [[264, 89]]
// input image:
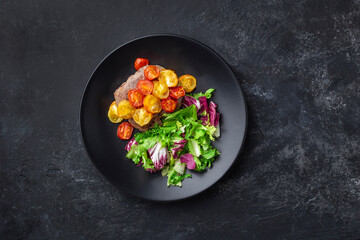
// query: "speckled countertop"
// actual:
[[298, 176]]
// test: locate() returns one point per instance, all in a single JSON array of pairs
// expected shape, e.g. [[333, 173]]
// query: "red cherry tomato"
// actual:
[[135, 98], [151, 72], [168, 104], [145, 86], [177, 92], [140, 62], [125, 130]]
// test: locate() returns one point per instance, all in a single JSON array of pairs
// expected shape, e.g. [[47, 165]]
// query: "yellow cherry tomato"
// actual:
[[188, 82], [152, 104], [160, 90], [142, 117], [168, 77], [125, 109], [112, 113]]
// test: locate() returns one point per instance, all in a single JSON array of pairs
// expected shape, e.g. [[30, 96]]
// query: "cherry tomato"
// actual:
[[160, 90], [151, 72], [135, 98], [112, 113], [145, 86], [152, 104], [140, 62], [168, 77], [168, 104], [142, 117], [188, 82], [177, 92], [125, 130], [125, 109]]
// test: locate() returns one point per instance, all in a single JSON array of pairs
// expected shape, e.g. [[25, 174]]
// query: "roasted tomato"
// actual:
[[160, 90], [112, 113], [151, 72], [188, 82], [168, 77], [152, 104], [169, 104], [135, 98], [125, 130], [142, 117], [145, 86], [177, 92], [125, 109], [140, 62]]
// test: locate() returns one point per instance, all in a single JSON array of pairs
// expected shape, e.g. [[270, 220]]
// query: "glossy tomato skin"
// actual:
[[142, 116], [135, 98], [125, 130], [169, 104], [177, 92], [151, 72], [145, 86], [140, 62], [112, 113], [160, 90], [125, 109], [168, 77], [152, 104], [188, 82]]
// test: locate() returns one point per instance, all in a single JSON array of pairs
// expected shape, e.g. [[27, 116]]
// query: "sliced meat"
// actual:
[[156, 119], [131, 83], [121, 93], [137, 126]]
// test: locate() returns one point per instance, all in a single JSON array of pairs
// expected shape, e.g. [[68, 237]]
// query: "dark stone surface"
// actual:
[[298, 175]]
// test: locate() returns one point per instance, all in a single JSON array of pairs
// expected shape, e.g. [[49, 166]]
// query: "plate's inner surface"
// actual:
[[184, 56]]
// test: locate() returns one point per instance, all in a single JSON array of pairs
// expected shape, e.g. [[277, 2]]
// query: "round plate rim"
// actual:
[[150, 36]]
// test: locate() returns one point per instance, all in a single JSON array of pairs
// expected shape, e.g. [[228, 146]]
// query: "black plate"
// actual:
[[185, 56]]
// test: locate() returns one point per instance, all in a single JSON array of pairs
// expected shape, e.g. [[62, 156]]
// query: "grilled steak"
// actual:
[[122, 94]]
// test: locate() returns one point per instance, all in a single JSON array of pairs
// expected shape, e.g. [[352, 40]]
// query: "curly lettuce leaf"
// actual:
[[184, 133], [183, 115], [139, 155], [174, 178], [207, 94]]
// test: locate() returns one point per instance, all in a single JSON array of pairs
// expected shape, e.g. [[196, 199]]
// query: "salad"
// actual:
[[182, 138]]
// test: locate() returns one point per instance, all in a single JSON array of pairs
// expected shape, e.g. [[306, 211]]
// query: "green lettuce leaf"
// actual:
[[200, 166], [209, 154], [138, 153], [174, 178], [194, 147], [183, 115], [198, 136], [207, 94]]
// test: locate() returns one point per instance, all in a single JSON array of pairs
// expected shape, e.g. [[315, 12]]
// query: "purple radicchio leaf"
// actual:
[[212, 112], [216, 122], [189, 160], [203, 105], [188, 101], [130, 143], [204, 120], [158, 155], [178, 146]]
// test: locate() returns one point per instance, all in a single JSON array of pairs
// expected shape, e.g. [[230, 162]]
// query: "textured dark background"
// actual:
[[298, 175]]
